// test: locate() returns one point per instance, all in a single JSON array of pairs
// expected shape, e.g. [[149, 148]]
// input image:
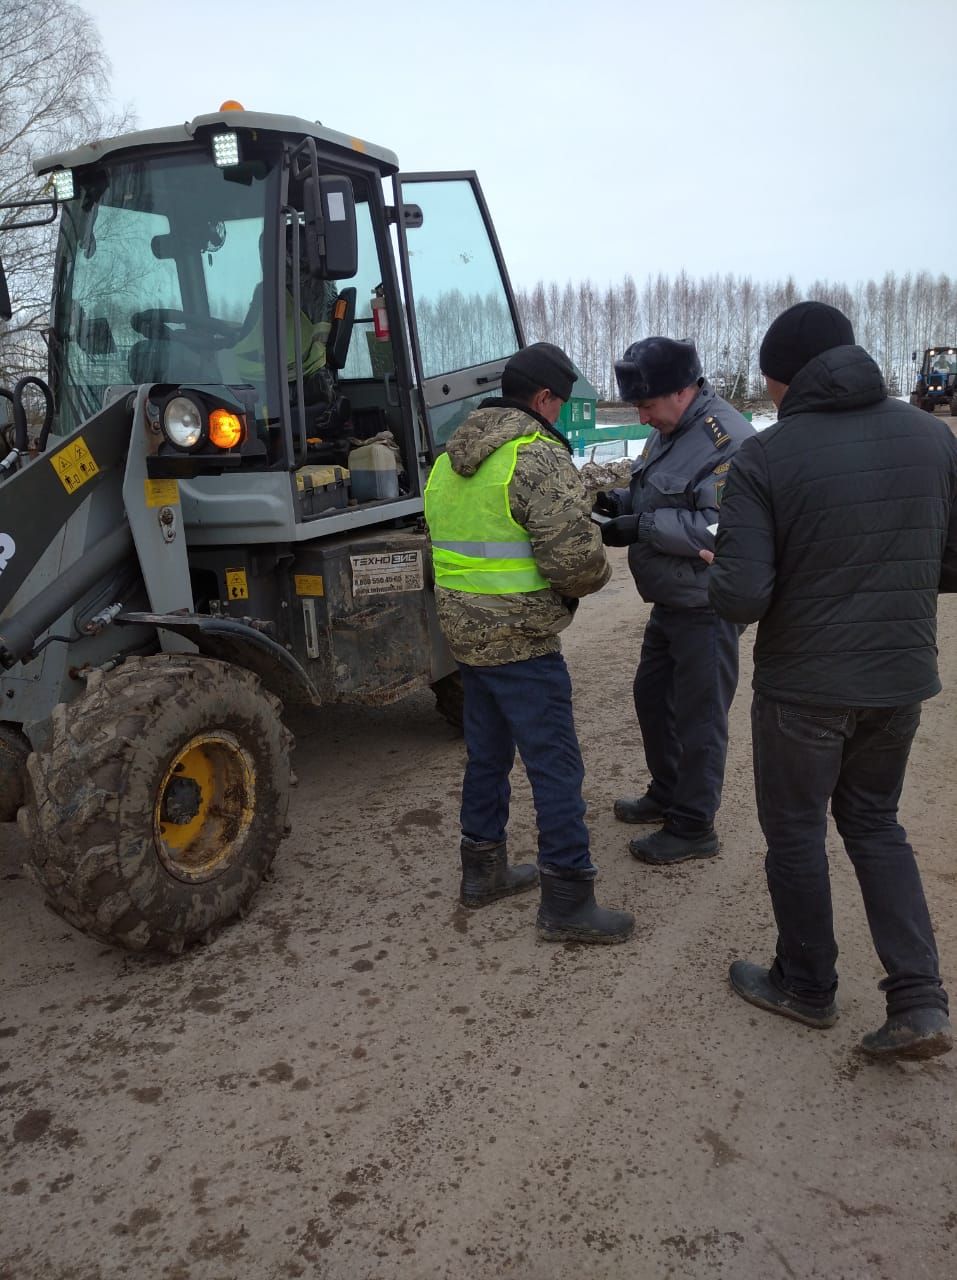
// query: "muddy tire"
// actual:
[[14, 749], [160, 802], [450, 700]]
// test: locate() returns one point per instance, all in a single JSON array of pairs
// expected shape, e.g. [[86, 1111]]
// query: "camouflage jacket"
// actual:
[[548, 500]]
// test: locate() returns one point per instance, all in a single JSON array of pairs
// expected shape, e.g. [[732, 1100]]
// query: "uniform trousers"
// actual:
[[684, 686]]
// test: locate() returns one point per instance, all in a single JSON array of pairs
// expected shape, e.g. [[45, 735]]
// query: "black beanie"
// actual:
[[798, 335], [656, 367], [540, 365]]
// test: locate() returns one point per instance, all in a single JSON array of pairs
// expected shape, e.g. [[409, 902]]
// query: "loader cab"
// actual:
[[289, 277]]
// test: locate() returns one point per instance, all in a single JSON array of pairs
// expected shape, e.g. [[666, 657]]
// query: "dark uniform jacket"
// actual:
[[547, 498], [676, 488], [838, 527]]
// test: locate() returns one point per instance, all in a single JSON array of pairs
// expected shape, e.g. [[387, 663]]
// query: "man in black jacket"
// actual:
[[837, 530]]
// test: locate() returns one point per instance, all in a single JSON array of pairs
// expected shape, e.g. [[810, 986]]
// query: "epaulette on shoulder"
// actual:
[[719, 437]]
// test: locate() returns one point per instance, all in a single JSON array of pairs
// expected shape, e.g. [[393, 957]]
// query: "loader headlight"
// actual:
[[184, 422]]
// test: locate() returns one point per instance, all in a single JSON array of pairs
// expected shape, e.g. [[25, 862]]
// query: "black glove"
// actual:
[[571, 603], [621, 532], [605, 504]]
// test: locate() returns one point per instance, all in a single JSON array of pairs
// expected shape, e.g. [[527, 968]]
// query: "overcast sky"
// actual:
[[816, 138]]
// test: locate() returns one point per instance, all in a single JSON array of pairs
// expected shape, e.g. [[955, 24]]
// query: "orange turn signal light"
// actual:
[[231, 105], [226, 429]]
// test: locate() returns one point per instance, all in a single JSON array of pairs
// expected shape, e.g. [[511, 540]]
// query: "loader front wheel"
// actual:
[[14, 749], [160, 802]]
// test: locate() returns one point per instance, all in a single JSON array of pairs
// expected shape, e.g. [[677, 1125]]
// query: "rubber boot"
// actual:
[[486, 875], [569, 913]]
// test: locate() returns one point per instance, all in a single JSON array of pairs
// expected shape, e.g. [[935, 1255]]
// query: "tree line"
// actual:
[[54, 82], [727, 316]]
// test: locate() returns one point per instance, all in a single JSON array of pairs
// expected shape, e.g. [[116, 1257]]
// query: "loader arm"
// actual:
[[37, 501]]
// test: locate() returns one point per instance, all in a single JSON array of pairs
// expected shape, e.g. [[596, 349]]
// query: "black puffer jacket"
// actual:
[[837, 529]]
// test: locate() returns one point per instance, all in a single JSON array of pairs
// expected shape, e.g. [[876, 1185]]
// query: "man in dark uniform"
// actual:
[[688, 670]]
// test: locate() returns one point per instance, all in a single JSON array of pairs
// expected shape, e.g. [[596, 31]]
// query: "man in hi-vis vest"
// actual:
[[514, 548]]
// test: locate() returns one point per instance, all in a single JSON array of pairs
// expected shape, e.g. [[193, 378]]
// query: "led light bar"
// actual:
[[63, 184], [225, 149]]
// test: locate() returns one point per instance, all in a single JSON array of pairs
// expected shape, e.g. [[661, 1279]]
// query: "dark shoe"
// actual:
[[486, 875], [569, 913], [753, 983], [662, 848], [915, 1034], [644, 809]]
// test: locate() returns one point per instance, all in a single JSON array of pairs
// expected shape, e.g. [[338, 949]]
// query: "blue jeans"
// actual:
[[684, 687], [805, 756], [527, 705]]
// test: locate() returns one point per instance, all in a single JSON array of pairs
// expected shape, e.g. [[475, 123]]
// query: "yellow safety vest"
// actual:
[[476, 544], [249, 354]]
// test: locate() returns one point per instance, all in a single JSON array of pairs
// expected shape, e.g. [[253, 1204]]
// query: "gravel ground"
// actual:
[[363, 1082]]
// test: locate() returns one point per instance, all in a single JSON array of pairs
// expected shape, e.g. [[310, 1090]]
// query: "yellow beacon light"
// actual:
[[231, 105], [225, 429]]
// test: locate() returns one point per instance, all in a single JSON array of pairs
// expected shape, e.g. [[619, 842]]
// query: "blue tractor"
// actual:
[[936, 383]]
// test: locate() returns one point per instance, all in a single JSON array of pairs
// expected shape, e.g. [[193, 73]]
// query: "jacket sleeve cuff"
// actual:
[[646, 525]]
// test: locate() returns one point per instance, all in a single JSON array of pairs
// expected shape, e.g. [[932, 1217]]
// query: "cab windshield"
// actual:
[[159, 279]]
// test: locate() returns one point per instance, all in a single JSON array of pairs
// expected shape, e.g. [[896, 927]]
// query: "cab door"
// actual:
[[463, 322]]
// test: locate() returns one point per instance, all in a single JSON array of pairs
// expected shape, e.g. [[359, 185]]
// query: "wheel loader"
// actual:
[[261, 333]]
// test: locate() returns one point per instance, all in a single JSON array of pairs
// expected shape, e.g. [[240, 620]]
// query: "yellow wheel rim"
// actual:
[[204, 806]]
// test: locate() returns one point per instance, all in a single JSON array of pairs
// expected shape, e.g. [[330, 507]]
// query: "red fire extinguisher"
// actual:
[[380, 316]]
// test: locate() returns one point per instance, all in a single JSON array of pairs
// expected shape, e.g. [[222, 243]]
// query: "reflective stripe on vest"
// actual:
[[477, 545]]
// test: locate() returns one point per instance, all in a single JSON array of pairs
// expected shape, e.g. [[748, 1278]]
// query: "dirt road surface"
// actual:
[[362, 1081]]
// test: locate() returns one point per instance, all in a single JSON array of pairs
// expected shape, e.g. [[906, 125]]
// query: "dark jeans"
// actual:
[[684, 686], [855, 758], [527, 705]]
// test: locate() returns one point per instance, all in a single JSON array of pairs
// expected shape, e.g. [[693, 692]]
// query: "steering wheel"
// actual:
[[198, 331]]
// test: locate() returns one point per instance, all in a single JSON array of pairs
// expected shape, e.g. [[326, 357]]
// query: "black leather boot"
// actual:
[[753, 983], [569, 913], [643, 810], [486, 875], [664, 848], [915, 1034]]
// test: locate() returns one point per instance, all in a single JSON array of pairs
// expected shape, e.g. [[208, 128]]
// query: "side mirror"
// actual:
[[6, 311], [332, 241]]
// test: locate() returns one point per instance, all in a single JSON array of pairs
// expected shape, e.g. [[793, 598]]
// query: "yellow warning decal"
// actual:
[[74, 465], [237, 588], [309, 584], [161, 493]]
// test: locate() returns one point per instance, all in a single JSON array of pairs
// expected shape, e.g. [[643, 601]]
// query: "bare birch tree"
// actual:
[[54, 82]]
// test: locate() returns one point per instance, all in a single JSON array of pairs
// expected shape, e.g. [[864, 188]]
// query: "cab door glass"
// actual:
[[462, 305]]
